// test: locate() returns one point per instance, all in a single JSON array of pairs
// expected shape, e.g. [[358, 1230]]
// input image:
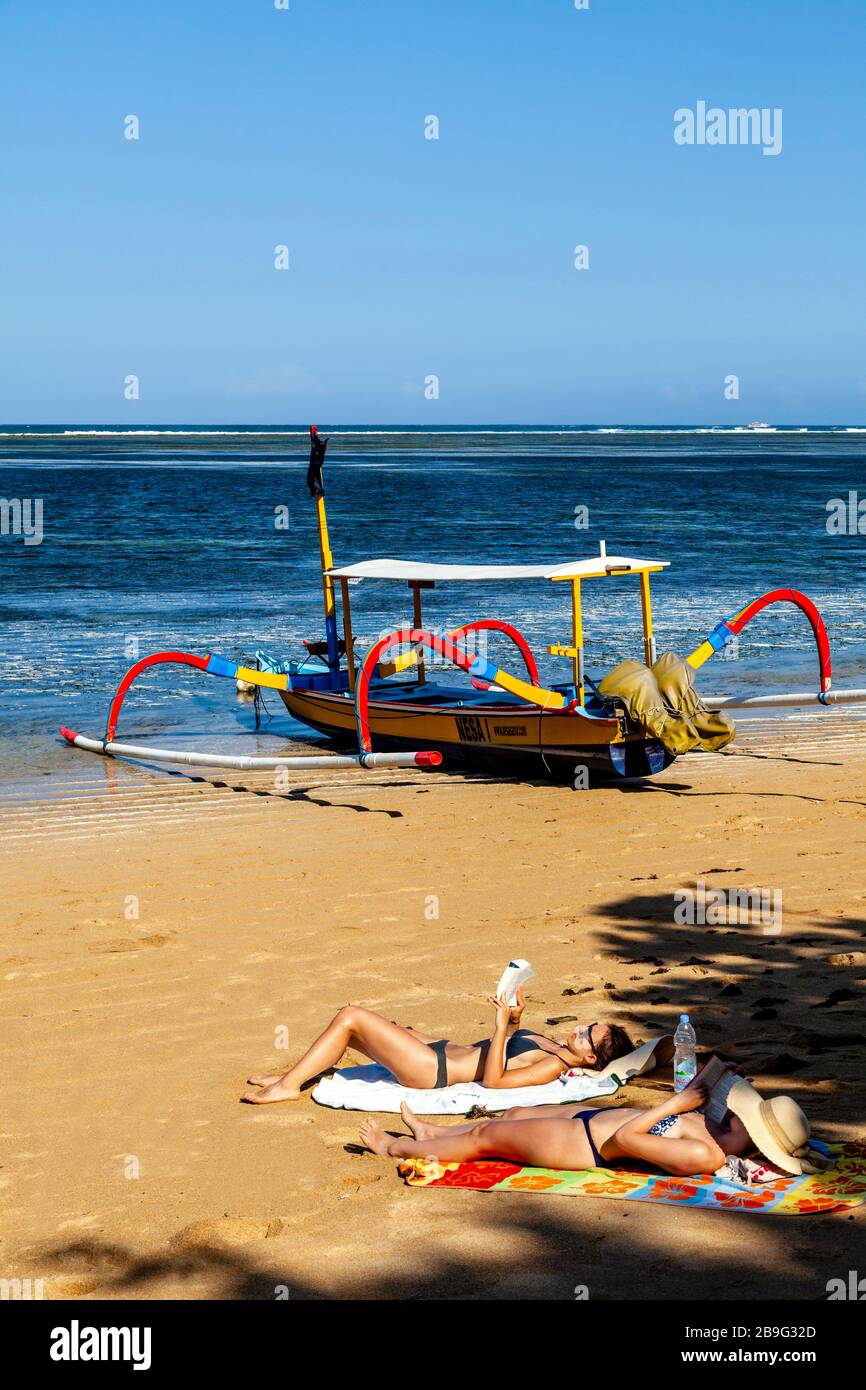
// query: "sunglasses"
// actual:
[[586, 1034]]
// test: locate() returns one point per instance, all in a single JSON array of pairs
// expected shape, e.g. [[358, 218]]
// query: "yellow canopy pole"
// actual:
[[649, 641], [577, 638], [347, 633], [327, 585], [417, 622]]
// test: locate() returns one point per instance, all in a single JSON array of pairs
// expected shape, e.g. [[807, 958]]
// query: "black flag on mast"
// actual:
[[317, 458]]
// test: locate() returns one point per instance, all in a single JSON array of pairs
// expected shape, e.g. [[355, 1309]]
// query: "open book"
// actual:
[[515, 974], [717, 1077]]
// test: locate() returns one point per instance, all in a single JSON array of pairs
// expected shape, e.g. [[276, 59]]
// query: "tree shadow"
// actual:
[[534, 1248], [787, 1005]]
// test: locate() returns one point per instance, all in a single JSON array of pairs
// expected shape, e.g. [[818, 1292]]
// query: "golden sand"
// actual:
[[159, 933]]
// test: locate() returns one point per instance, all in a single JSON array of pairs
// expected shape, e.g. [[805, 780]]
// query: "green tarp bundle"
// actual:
[[663, 699]]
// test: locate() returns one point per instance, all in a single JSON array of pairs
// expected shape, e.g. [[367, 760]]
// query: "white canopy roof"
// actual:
[[408, 570]]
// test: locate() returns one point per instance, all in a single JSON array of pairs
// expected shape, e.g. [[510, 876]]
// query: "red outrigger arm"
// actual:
[[495, 625], [458, 633], [215, 665], [730, 627], [211, 664], [481, 670], [158, 659]]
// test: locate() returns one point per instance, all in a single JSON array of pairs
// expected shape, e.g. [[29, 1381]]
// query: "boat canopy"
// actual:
[[419, 571]]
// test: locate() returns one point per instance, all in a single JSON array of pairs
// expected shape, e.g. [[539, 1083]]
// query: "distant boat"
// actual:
[[760, 425]]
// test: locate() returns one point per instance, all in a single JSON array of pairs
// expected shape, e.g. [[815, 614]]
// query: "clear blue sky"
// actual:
[[412, 257]]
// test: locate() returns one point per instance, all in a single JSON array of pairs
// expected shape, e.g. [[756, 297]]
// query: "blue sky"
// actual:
[[413, 257]]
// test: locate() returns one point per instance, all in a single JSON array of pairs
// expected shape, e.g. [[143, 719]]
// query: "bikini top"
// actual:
[[662, 1126], [523, 1040]]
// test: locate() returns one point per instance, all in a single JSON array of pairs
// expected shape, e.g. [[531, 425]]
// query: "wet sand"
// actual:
[[158, 932]]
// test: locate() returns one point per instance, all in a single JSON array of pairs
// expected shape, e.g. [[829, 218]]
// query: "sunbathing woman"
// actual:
[[513, 1056], [672, 1136]]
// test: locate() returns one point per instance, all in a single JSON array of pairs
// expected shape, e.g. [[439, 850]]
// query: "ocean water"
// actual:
[[173, 538]]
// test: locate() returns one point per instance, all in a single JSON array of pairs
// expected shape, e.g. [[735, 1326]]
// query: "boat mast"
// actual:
[[316, 486], [327, 586]]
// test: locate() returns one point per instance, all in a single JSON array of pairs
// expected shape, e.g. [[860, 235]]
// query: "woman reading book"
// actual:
[[512, 1056]]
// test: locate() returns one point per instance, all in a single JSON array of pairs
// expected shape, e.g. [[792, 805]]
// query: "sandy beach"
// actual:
[[159, 930]]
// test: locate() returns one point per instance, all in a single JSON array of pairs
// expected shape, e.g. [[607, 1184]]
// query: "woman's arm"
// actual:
[[515, 1013], [494, 1062], [683, 1157], [535, 1074], [495, 1074]]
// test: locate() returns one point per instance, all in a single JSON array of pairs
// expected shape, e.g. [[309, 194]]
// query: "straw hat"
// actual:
[[778, 1127]]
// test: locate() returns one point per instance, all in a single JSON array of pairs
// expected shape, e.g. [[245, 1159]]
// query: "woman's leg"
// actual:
[[425, 1129], [410, 1060], [544, 1112], [416, 1032], [538, 1143], [268, 1080]]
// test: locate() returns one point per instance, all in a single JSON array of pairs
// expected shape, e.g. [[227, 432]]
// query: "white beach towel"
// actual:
[[374, 1088]]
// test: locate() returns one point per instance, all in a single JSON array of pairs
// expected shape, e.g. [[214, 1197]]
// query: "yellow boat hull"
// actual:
[[509, 736]]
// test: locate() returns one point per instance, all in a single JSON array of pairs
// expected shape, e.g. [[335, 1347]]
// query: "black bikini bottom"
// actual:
[[584, 1117], [441, 1063]]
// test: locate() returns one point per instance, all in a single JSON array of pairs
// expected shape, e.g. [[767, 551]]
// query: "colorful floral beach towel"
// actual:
[[844, 1185]]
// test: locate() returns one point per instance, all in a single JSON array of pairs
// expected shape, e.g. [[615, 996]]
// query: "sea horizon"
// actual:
[[86, 428]]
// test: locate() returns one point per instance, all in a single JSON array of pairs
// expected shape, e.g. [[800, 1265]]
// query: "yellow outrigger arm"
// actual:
[[533, 694], [480, 669]]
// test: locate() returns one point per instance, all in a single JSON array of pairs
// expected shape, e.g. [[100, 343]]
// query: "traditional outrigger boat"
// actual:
[[397, 711]]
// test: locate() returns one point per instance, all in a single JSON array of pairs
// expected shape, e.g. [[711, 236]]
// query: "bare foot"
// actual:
[[417, 1128], [265, 1080], [274, 1092], [375, 1139]]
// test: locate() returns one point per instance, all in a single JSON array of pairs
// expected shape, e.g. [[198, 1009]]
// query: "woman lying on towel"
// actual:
[[674, 1136], [513, 1056], [670, 1137]]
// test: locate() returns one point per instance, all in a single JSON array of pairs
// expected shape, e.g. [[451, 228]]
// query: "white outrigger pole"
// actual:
[[313, 762], [787, 700]]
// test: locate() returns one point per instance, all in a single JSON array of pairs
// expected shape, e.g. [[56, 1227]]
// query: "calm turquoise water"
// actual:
[[167, 538]]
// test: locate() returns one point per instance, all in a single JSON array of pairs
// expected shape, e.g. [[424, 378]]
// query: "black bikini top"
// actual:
[[523, 1040]]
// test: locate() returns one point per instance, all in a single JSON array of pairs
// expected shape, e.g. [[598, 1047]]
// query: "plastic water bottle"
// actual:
[[685, 1062]]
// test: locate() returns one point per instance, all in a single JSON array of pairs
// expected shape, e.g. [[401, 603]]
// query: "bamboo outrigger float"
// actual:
[[397, 712]]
